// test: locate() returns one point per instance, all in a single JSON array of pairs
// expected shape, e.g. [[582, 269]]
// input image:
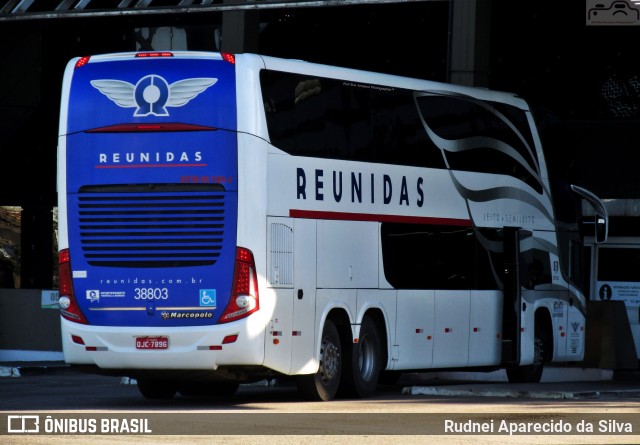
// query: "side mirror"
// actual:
[[602, 228], [600, 223]]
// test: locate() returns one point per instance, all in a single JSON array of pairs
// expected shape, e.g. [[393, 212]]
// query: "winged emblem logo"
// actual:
[[152, 95]]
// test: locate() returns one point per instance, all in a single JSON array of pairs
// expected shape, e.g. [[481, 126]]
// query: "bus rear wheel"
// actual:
[[323, 385], [364, 362]]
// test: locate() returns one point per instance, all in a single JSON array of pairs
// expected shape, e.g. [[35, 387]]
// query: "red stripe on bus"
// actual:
[[345, 216], [150, 165]]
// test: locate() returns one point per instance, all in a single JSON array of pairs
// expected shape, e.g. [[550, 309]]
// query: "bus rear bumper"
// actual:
[[187, 348]]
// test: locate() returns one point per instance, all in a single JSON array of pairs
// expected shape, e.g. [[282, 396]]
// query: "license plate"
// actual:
[[152, 342]]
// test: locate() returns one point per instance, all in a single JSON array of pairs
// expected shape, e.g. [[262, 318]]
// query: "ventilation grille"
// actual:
[[169, 225], [281, 255]]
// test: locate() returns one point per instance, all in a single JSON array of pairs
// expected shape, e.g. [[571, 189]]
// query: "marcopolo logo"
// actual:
[[152, 94], [184, 315]]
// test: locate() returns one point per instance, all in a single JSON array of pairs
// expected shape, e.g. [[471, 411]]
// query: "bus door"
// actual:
[[291, 330], [304, 299], [512, 301]]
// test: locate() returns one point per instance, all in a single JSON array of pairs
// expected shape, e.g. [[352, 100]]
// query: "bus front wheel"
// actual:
[[323, 385], [529, 373]]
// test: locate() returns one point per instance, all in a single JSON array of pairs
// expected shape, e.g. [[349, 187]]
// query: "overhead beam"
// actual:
[[19, 10]]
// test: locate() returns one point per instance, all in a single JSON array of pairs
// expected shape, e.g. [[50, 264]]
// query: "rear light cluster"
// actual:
[[231, 58], [82, 61], [228, 57], [154, 54], [244, 296], [68, 305], [243, 302]]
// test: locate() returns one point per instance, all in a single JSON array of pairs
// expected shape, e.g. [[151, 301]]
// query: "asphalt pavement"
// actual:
[[621, 385]]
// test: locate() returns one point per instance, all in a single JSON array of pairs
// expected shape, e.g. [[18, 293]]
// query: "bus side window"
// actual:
[[534, 268]]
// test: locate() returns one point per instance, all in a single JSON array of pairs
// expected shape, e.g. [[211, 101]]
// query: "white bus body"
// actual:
[[377, 224]]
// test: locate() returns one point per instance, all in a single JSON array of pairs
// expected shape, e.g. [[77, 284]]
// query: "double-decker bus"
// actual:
[[225, 218]]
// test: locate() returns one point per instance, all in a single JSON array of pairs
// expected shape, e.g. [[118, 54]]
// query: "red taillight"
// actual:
[[230, 339], [64, 270], [69, 308], [244, 296], [231, 58], [82, 61], [155, 54]]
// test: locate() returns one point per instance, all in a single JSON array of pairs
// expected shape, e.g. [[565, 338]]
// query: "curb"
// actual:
[[564, 395], [33, 369], [7, 371]]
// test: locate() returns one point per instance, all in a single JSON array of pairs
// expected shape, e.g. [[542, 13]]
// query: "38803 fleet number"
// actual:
[[151, 293]]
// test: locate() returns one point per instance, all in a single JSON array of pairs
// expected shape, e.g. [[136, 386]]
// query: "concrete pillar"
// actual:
[[609, 340], [469, 42], [37, 253], [239, 29]]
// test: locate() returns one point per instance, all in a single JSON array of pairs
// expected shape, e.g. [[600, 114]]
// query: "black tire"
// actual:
[[364, 362], [157, 388], [208, 389], [389, 377], [529, 373], [323, 385]]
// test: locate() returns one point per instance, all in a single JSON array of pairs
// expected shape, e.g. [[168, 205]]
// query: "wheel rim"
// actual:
[[329, 360]]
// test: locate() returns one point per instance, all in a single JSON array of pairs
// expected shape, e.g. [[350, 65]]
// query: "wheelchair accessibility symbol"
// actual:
[[208, 297]]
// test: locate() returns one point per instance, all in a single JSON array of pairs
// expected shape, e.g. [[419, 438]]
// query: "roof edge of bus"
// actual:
[[399, 81], [331, 71]]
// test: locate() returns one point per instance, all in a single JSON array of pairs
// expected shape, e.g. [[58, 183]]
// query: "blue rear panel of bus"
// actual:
[[152, 214]]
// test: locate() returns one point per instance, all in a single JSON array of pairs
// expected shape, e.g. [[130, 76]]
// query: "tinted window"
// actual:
[[482, 136], [437, 257], [331, 118], [534, 268], [312, 116]]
